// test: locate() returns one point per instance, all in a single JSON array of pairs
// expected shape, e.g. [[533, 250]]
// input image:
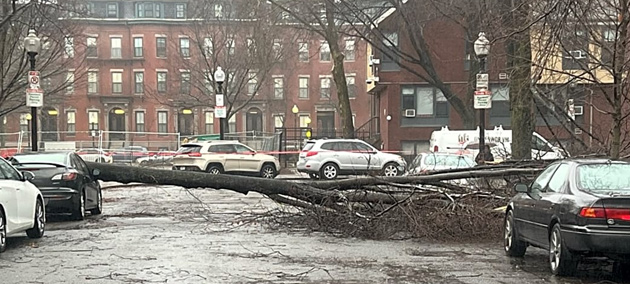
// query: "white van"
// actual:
[[456, 141]]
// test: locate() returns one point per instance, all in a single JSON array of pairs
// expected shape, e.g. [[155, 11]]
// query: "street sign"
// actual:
[[33, 79], [482, 81], [220, 111], [218, 100], [34, 97], [483, 100]]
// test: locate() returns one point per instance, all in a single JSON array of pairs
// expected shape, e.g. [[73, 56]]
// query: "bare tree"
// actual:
[[324, 18], [55, 60]]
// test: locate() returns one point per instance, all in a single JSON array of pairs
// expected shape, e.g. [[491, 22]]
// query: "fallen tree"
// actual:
[[428, 205]]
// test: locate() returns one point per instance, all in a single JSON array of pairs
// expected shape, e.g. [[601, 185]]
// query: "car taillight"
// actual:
[[65, 176], [311, 153], [598, 212], [194, 155]]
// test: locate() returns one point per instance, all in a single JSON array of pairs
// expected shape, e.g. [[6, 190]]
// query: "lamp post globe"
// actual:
[[32, 43], [219, 76], [482, 45]]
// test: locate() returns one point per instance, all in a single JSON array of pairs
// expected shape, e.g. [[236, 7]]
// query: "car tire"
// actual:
[[512, 245], [100, 160], [561, 260], [313, 176], [39, 225], [214, 170], [329, 171], [3, 232], [268, 172], [391, 170], [99, 204], [78, 212]]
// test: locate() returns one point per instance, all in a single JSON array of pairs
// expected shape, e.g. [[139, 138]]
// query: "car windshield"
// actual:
[[604, 177], [452, 161], [186, 149], [59, 158]]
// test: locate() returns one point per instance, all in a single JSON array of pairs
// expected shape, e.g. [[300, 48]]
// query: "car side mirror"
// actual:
[[96, 172], [521, 188], [27, 176]]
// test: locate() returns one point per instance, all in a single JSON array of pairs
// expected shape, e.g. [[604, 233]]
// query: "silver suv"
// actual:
[[329, 158]]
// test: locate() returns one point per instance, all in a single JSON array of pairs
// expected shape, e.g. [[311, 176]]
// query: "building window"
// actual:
[[208, 46], [389, 59], [426, 101], [324, 87], [229, 44], [608, 47], [251, 47], [209, 122], [160, 45], [352, 87], [350, 53], [184, 83], [278, 120], [278, 87], [148, 10], [162, 121], [70, 81], [24, 118], [575, 50], [232, 124], [71, 122], [252, 83], [112, 10], [184, 47], [161, 82], [116, 46], [304, 119], [277, 49], [303, 51], [140, 121], [91, 51], [303, 85], [218, 10], [92, 82], [324, 52], [69, 47], [116, 82], [93, 120], [138, 82], [180, 11], [137, 47], [500, 102]]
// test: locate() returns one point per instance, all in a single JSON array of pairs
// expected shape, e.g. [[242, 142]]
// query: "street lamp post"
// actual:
[[295, 111], [219, 78], [482, 99], [32, 45]]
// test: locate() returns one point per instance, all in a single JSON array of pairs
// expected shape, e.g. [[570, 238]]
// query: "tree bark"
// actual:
[[519, 63]]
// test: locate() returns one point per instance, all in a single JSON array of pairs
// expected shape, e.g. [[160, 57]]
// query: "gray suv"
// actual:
[[329, 158]]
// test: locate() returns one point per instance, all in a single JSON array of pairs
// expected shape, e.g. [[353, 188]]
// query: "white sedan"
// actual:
[[95, 155], [21, 205]]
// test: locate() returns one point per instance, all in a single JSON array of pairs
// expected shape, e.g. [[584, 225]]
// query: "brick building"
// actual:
[[141, 80]]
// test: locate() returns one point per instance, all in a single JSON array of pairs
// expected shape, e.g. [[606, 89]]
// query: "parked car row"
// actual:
[[34, 184]]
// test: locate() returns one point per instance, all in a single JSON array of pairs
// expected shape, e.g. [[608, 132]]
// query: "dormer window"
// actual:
[[148, 10]]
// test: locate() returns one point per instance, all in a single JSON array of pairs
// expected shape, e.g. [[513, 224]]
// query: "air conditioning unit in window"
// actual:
[[374, 61], [577, 131], [410, 113], [577, 54], [503, 76], [579, 110]]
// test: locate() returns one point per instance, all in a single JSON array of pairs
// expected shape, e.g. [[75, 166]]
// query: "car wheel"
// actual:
[[100, 160], [391, 170], [78, 212], [40, 222], [313, 176], [513, 246], [329, 171], [215, 170], [3, 232], [99, 204], [561, 260], [268, 171]]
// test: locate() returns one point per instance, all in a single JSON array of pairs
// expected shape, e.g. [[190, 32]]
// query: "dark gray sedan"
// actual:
[[574, 209]]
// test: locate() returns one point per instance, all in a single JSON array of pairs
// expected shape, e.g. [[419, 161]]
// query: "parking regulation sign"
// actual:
[[34, 98], [483, 99], [220, 111]]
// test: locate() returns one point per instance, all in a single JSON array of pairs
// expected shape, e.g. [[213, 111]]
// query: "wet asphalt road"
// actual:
[[167, 234]]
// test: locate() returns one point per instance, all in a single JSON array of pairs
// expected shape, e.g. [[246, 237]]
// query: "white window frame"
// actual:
[[115, 47]]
